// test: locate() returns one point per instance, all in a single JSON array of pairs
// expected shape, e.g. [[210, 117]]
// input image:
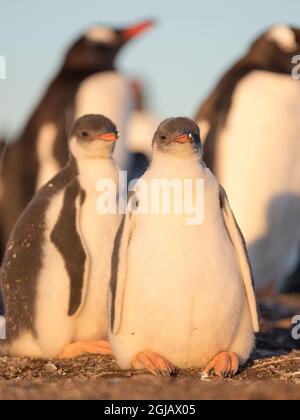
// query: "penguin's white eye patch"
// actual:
[[283, 37], [102, 35]]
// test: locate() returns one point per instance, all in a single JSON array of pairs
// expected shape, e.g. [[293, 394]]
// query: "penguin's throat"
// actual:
[[179, 152], [173, 165], [94, 151]]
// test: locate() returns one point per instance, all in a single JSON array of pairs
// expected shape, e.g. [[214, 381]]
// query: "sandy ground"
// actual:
[[272, 373]]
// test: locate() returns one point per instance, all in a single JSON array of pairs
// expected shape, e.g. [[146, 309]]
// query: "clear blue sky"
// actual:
[[181, 59]]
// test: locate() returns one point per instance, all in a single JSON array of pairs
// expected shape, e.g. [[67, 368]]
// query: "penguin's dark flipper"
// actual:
[[154, 363], [86, 347], [69, 241], [225, 365]]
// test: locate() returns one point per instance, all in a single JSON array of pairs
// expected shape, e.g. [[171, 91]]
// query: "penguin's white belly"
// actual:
[[258, 163], [98, 232], [109, 94], [184, 297]]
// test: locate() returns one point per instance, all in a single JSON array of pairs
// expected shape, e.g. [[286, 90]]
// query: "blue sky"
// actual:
[[181, 59]]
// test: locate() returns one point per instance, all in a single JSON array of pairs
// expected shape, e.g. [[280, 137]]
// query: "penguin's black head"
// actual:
[[275, 50], [97, 49], [179, 136], [93, 136]]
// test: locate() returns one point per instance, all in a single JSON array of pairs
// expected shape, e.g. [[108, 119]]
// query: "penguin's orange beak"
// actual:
[[184, 138], [109, 137], [134, 31]]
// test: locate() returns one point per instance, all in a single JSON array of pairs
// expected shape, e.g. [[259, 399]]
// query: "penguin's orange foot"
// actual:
[[86, 347], [154, 363], [224, 365]]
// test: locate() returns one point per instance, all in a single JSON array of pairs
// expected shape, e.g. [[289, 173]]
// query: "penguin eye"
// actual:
[[84, 134], [162, 137]]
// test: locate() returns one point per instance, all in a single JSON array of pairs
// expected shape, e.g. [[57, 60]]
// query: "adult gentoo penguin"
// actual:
[[56, 268], [88, 82], [251, 122], [169, 278]]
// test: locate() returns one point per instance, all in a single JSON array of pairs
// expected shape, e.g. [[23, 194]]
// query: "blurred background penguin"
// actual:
[[251, 127]]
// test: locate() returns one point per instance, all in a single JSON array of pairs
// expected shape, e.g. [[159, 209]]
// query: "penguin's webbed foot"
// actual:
[[225, 365], [86, 347], [154, 363]]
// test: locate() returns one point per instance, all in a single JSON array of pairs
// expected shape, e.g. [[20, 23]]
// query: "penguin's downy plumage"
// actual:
[[56, 267], [87, 83], [169, 277], [251, 131]]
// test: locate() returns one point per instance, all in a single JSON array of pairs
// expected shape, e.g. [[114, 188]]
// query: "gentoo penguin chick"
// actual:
[[181, 295], [251, 125], [88, 82], [56, 268]]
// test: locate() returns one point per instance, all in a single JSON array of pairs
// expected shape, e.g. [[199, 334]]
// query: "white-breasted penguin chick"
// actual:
[[251, 125], [56, 268], [181, 295], [88, 82]]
